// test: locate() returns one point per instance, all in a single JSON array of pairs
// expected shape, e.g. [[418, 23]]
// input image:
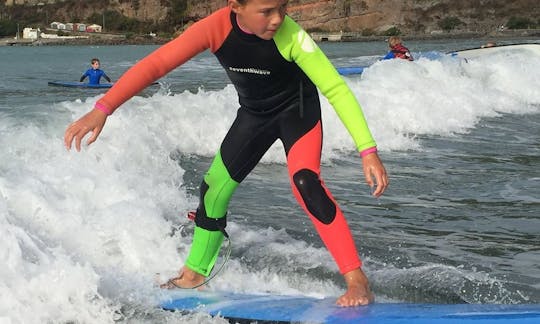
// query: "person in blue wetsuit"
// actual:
[[94, 74]]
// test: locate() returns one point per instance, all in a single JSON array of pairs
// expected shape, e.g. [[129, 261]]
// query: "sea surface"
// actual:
[[86, 236]]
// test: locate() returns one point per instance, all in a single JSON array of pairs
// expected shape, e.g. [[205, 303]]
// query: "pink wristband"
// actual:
[[368, 151], [104, 109]]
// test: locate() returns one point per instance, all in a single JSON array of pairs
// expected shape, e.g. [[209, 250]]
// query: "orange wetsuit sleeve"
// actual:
[[208, 33]]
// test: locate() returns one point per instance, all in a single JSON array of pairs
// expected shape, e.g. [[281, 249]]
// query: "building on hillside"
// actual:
[[93, 28], [30, 2], [31, 33], [80, 27], [325, 37]]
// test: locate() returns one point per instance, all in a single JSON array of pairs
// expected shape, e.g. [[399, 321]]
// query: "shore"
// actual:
[[120, 39], [93, 40]]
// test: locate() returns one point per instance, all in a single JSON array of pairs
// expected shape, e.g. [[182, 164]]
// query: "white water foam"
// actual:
[[84, 233]]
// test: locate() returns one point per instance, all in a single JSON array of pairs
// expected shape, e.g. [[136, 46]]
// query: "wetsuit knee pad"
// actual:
[[201, 217], [207, 238], [314, 195]]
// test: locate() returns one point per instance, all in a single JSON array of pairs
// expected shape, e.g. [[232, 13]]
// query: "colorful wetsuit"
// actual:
[[399, 51], [277, 84], [94, 76]]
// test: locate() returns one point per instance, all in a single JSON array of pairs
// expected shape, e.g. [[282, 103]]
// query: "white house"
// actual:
[[31, 33]]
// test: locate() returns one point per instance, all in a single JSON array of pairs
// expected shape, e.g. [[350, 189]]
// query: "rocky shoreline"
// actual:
[[83, 41], [105, 39]]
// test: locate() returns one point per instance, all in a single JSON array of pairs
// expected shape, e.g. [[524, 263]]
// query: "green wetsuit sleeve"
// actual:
[[295, 45]]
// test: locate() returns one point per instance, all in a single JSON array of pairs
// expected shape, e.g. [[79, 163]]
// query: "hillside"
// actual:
[[368, 17], [409, 16]]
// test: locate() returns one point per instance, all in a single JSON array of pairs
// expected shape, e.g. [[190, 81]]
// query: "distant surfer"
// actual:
[[94, 73], [397, 50], [276, 69], [489, 44]]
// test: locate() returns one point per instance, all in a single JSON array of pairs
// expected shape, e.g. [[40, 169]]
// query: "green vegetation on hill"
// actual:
[[166, 17], [101, 12]]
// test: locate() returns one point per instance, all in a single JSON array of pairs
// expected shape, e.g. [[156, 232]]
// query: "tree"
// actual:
[[8, 28], [392, 31], [177, 11], [519, 23], [449, 23]]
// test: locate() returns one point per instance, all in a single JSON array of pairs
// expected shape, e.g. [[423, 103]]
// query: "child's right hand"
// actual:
[[375, 173], [93, 122]]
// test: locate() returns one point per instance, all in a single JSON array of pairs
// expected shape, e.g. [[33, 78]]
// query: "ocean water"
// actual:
[[84, 237]]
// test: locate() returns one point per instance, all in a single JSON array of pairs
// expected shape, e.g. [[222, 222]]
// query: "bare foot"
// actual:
[[187, 279], [358, 292]]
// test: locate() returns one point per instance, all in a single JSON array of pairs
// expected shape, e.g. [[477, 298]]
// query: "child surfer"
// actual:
[[276, 68], [397, 50], [94, 73]]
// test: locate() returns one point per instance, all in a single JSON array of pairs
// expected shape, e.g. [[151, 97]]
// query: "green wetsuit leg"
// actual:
[[247, 140], [216, 192]]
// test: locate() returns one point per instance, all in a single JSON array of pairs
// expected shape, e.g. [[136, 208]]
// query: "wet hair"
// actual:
[[394, 40]]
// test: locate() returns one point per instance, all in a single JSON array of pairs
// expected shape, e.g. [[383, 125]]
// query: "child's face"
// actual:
[[261, 17], [95, 65]]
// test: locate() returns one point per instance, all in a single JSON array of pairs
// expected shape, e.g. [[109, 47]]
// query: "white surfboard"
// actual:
[[476, 52]]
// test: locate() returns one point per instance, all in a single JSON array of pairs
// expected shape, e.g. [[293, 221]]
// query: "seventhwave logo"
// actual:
[[249, 70]]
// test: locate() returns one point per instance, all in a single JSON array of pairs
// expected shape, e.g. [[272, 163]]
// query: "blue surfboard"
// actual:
[[348, 70], [248, 308], [75, 84]]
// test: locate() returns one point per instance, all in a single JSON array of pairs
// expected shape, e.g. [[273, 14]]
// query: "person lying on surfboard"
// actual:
[[94, 74], [276, 69], [397, 50]]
